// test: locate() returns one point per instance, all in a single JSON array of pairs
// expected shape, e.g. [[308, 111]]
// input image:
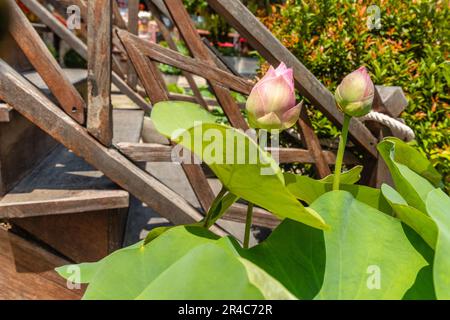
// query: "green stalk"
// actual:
[[248, 224], [214, 205], [340, 153]]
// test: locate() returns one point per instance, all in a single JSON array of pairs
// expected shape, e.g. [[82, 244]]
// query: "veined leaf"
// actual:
[[241, 165], [368, 255], [294, 254], [170, 118], [308, 189], [438, 206], [210, 272], [182, 263], [351, 176], [412, 187], [417, 220], [414, 160]]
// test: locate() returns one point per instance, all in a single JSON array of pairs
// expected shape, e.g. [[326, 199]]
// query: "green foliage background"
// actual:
[[410, 50]]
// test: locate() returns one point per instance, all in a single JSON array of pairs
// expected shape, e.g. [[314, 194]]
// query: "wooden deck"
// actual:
[[27, 271]]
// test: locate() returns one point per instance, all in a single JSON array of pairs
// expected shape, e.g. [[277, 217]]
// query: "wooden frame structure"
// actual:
[[86, 127]]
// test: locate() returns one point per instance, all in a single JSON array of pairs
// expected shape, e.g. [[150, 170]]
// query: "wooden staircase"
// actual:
[[72, 167]]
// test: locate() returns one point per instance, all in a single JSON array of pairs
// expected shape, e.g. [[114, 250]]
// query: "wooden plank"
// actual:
[[117, 17], [133, 28], [62, 183], [28, 271], [43, 61], [274, 52], [189, 33], [17, 92], [148, 73], [392, 100], [312, 143], [157, 91], [99, 116], [23, 145], [172, 45], [5, 112], [76, 44], [154, 152], [87, 236], [195, 66]]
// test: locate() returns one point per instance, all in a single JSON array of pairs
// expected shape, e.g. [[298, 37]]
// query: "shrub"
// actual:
[[410, 50]]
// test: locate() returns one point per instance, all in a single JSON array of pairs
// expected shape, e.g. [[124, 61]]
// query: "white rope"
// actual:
[[398, 128]]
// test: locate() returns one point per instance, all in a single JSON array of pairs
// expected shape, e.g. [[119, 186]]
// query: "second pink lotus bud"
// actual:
[[271, 104]]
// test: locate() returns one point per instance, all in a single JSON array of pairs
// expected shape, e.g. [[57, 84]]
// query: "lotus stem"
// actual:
[[248, 225], [340, 153]]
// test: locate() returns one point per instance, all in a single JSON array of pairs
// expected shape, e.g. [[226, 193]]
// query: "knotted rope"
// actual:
[[398, 128]]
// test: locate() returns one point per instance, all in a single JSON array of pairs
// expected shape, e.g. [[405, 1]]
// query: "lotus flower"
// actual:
[[354, 95], [271, 104]]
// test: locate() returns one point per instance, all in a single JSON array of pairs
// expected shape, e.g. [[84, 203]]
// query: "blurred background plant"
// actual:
[[410, 50]]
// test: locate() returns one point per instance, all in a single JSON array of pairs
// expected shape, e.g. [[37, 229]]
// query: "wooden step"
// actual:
[[77, 77], [62, 183], [27, 271]]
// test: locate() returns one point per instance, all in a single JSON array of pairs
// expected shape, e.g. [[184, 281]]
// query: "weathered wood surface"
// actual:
[[148, 72], [193, 41], [195, 66], [274, 52], [87, 237], [154, 152], [155, 87], [43, 61], [16, 91], [5, 112], [76, 44], [312, 143], [62, 183], [390, 100], [28, 271], [157, 15], [99, 116], [133, 27], [23, 145]]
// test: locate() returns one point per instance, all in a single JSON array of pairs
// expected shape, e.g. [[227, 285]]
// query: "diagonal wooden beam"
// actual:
[[312, 143], [76, 44], [193, 41], [34, 106], [198, 67], [260, 38], [99, 116], [156, 90], [45, 64], [157, 15]]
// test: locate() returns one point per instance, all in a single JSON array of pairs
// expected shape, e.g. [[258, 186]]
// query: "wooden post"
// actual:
[[187, 29], [172, 45], [76, 44], [16, 91], [133, 27], [312, 142], [44, 63], [99, 120]]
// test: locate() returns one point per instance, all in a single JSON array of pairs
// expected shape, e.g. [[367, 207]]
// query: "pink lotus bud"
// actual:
[[271, 104], [354, 95]]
